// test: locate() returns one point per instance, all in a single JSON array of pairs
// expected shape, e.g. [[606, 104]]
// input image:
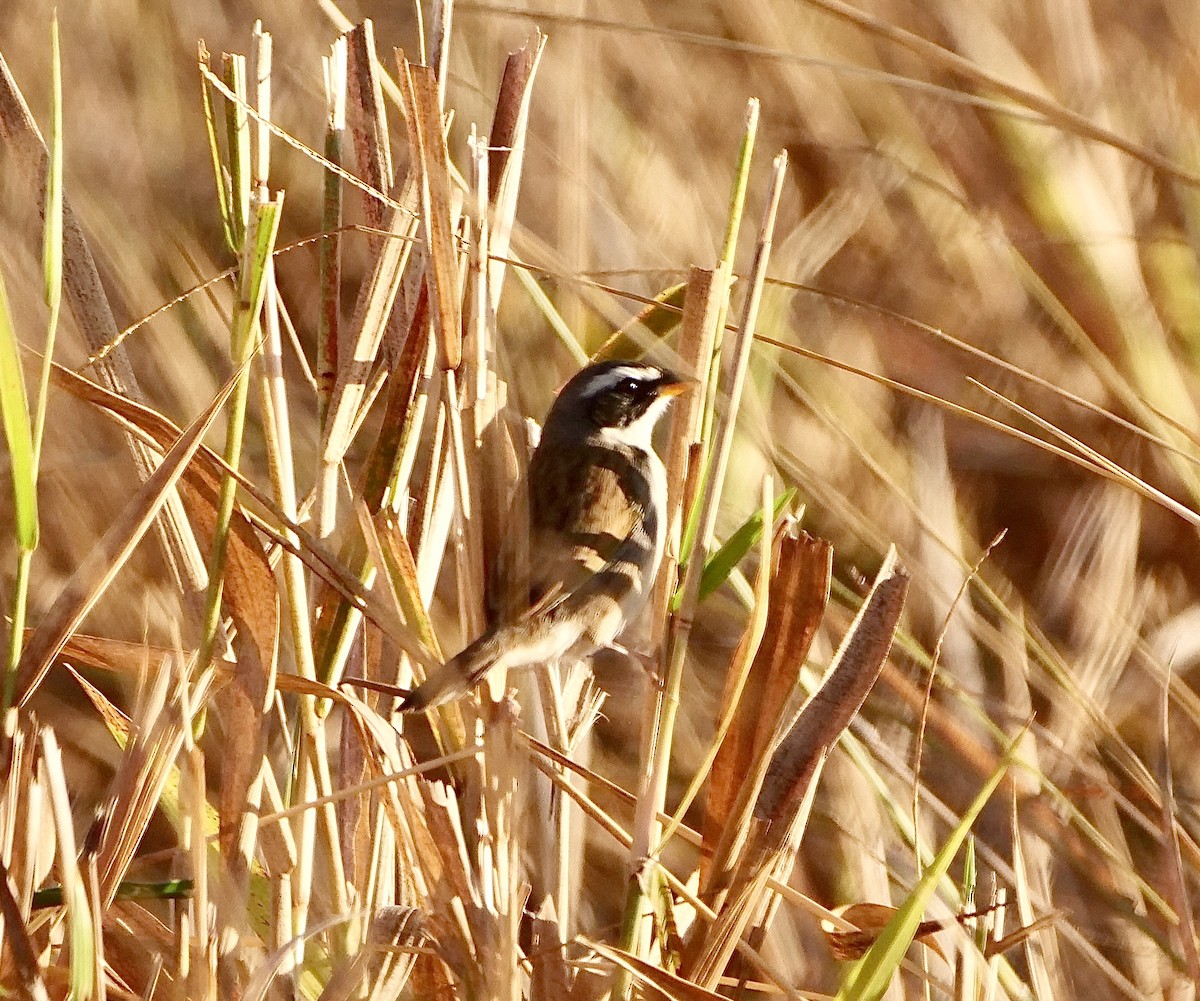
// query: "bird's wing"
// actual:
[[588, 505], [604, 527], [592, 535]]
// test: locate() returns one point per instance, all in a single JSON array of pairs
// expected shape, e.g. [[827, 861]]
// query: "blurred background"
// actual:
[[938, 230]]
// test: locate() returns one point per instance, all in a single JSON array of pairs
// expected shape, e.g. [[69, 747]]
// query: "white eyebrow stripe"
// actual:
[[610, 379]]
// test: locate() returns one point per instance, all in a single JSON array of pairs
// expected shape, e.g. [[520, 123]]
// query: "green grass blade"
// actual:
[[656, 321], [14, 409], [252, 287], [83, 943], [220, 175], [544, 306], [868, 979], [237, 133], [721, 564], [171, 889]]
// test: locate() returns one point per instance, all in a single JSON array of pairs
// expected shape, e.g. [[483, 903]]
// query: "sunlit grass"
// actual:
[[985, 217]]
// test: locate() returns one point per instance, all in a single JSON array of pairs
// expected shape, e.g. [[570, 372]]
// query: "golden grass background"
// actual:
[[919, 200]]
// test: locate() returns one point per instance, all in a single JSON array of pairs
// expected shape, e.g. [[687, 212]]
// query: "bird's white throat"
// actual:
[[637, 434]]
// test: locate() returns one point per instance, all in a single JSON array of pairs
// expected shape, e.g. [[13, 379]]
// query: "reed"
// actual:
[[881, 755]]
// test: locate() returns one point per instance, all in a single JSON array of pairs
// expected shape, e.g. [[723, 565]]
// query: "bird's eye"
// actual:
[[628, 387]]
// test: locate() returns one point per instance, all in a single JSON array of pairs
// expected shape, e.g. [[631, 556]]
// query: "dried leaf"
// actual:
[[121, 657], [250, 597], [370, 324], [659, 981], [208, 468], [427, 137], [118, 656], [367, 119], [801, 571], [870, 920], [115, 721], [392, 929], [1019, 936], [552, 978], [107, 556], [28, 984], [855, 667]]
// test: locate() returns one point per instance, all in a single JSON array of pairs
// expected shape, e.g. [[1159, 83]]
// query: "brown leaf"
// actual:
[[855, 667], [105, 559], [115, 721], [659, 981], [799, 591], [737, 881], [1021, 934], [28, 984], [250, 597], [427, 137], [117, 656], [392, 929], [870, 920], [133, 939], [121, 657], [552, 978], [367, 120]]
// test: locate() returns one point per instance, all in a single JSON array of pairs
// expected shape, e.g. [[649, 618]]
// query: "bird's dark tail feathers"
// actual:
[[455, 678]]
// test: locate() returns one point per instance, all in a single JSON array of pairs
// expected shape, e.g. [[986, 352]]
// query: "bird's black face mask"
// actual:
[[624, 403]]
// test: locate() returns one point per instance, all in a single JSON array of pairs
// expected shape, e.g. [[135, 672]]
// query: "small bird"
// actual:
[[597, 499]]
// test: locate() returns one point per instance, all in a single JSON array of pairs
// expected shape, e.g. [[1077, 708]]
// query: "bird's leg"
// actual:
[[647, 662]]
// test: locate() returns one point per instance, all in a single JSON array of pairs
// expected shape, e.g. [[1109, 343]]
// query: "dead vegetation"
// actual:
[[948, 330]]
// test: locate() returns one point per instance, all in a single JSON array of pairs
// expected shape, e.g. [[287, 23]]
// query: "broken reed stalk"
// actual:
[[330, 253], [277, 429]]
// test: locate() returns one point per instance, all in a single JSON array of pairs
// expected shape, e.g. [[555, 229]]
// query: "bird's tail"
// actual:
[[455, 677]]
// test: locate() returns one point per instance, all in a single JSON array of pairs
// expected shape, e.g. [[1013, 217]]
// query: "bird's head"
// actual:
[[622, 400]]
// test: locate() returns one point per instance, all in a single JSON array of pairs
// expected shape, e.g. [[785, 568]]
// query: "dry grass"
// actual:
[[973, 310]]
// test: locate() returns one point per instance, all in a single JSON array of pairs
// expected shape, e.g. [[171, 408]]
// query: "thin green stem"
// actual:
[[651, 801], [52, 274], [17, 635], [245, 339]]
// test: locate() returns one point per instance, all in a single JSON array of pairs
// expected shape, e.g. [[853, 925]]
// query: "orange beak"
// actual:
[[673, 385]]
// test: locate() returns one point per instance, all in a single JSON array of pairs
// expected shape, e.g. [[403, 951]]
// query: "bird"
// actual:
[[597, 526]]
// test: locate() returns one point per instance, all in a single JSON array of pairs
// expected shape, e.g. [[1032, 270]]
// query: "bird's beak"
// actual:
[[673, 385]]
